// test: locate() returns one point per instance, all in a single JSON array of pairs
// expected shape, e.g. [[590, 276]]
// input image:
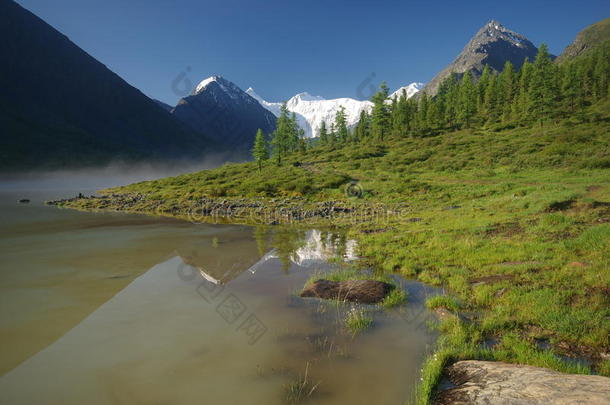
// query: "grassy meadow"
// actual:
[[514, 222]]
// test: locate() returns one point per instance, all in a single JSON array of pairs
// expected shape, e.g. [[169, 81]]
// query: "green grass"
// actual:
[[443, 301], [395, 298], [346, 273], [357, 320], [513, 222]]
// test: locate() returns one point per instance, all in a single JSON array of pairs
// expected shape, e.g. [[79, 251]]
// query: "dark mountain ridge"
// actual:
[[220, 108], [492, 46], [60, 107]]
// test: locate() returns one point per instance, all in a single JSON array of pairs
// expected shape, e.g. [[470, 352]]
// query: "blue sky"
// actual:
[[328, 48]]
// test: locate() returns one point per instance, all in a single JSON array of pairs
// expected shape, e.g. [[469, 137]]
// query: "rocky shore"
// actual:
[[240, 210], [487, 382]]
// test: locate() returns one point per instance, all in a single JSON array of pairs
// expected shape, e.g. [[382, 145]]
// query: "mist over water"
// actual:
[[109, 175]]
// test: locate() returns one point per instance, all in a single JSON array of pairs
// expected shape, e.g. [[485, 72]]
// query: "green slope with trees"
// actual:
[[498, 190]]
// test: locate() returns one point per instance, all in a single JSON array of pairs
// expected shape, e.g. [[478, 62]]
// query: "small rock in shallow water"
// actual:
[[363, 291]]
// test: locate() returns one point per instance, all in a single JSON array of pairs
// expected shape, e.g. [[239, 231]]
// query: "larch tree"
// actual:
[[380, 116], [260, 153]]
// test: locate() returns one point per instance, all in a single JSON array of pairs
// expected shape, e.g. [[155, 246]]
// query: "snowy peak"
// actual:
[[273, 107], [253, 94], [220, 83], [311, 111], [204, 83], [410, 90], [306, 97], [224, 112]]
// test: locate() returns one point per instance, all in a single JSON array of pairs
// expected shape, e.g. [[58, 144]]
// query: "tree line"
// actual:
[[540, 92]]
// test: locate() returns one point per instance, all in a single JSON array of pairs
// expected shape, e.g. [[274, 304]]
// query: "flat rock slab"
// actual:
[[490, 382], [363, 291]]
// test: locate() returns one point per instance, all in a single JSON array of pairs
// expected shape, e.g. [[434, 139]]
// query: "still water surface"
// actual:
[[110, 308]]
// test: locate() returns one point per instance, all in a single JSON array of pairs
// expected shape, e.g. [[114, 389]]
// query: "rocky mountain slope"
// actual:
[[587, 39], [221, 109], [492, 45], [60, 107]]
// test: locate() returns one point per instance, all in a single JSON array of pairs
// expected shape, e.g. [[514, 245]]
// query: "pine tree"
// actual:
[[449, 96], [341, 125], [521, 101], [507, 87], [422, 113], [542, 88], [332, 135], [481, 86], [302, 141], [396, 120], [601, 72], [380, 116], [260, 153], [467, 100], [569, 87], [323, 134], [362, 130], [490, 100], [434, 115], [293, 133], [281, 138]]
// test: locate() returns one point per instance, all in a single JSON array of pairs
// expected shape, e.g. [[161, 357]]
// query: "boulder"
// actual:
[[489, 382], [362, 291]]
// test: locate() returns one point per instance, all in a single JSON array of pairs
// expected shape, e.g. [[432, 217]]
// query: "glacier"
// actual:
[[311, 111]]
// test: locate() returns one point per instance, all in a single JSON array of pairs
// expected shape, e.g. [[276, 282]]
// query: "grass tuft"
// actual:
[[443, 301], [395, 298], [300, 389], [357, 320]]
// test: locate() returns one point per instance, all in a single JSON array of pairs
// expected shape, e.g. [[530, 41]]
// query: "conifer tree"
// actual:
[[449, 93], [332, 135], [490, 100], [396, 121], [422, 113], [481, 86], [323, 134], [260, 153], [362, 130], [506, 90], [293, 133], [542, 90], [521, 101], [341, 125], [467, 100], [281, 138], [380, 116], [569, 87]]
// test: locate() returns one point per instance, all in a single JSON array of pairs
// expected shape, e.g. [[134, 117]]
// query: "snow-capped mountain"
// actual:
[[410, 89], [312, 110], [224, 112]]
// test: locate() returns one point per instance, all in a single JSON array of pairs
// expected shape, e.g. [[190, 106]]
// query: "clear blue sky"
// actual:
[[328, 48]]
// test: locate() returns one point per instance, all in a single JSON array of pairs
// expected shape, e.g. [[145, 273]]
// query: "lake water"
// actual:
[[111, 308]]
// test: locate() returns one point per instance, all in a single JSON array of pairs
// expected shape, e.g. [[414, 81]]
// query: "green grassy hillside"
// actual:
[[513, 221]]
